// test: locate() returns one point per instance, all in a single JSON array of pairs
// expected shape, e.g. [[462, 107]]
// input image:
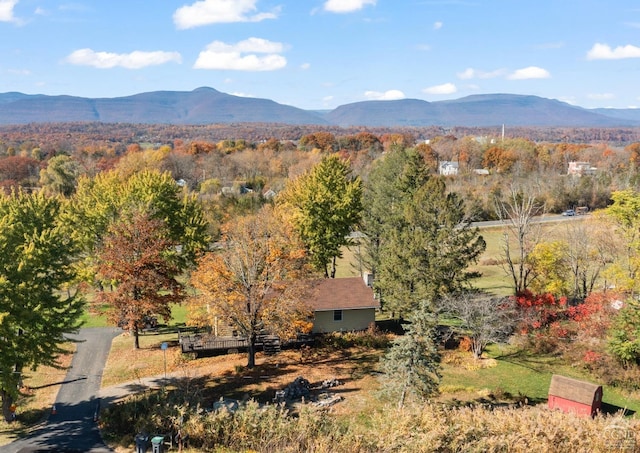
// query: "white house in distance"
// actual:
[[581, 169], [448, 168], [342, 304]]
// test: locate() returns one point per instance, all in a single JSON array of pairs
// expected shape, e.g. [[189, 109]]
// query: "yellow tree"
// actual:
[[254, 280], [325, 205], [624, 213], [550, 268]]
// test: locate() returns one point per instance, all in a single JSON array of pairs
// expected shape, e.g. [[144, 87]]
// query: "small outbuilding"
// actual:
[[574, 396]]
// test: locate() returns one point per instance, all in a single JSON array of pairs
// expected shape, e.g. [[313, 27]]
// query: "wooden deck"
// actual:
[[194, 343], [197, 342], [210, 343]]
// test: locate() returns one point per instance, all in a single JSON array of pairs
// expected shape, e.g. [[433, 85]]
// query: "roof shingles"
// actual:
[[341, 294]]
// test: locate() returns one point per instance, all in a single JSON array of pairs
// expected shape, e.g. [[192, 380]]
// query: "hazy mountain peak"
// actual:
[[206, 105]]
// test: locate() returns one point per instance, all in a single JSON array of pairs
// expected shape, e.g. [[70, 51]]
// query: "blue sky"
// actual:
[[319, 54]]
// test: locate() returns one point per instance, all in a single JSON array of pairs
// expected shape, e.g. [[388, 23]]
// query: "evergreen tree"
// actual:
[[411, 366], [60, 176], [421, 244], [36, 260], [624, 341], [393, 179]]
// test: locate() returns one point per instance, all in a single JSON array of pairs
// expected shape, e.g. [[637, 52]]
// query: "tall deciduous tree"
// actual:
[[253, 280], [36, 255], [326, 205], [591, 249], [102, 200], [549, 266], [625, 214], [139, 260], [517, 211]]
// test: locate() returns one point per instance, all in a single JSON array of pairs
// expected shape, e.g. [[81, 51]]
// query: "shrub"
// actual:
[[538, 311], [416, 428], [624, 343], [370, 338], [465, 344]]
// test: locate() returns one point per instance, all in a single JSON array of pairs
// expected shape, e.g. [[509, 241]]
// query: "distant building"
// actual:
[[269, 194], [581, 169], [448, 168]]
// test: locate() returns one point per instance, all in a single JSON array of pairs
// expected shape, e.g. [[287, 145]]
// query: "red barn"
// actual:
[[574, 396]]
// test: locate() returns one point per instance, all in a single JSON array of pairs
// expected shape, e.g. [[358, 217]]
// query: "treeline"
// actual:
[[231, 167], [70, 136]]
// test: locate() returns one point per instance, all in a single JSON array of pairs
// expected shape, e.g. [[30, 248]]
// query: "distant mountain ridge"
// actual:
[[209, 106]]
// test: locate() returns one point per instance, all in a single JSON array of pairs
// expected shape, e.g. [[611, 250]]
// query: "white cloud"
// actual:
[[205, 12], [21, 72], [389, 95], [134, 60], [445, 88], [305, 66], [346, 6], [6, 10], [601, 96], [530, 72], [437, 25], [605, 52], [471, 73], [242, 56], [568, 99]]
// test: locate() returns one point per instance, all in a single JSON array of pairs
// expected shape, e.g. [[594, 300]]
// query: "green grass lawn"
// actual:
[[523, 375], [99, 319]]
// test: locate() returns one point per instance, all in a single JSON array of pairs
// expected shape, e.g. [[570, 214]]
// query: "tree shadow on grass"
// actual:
[[535, 362]]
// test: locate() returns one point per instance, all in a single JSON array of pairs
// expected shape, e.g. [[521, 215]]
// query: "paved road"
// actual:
[[72, 428], [541, 219]]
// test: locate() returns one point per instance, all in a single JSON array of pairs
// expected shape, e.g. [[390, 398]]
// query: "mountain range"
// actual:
[[209, 106]]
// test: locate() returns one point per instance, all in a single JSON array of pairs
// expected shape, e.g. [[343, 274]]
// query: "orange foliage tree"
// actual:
[[137, 258], [254, 280], [498, 159]]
